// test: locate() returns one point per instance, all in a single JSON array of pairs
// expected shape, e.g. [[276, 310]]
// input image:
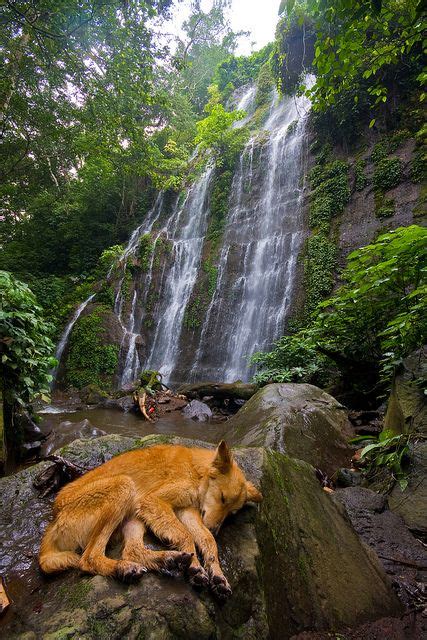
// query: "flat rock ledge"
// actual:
[[294, 562]]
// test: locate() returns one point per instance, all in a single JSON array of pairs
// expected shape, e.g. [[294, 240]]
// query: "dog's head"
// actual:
[[227, 489]]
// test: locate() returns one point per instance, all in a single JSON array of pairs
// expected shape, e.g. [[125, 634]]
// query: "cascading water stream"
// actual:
[[257, 264], [186, 229], [128, 349], [262, 238], [66, 333]]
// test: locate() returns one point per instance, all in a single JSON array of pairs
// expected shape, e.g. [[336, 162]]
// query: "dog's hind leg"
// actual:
[[52, 558], [111, 502], [134, 550]]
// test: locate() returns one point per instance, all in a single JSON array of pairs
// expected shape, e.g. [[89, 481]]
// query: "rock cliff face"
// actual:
[[202, 286], [294, 563], [361, 221]]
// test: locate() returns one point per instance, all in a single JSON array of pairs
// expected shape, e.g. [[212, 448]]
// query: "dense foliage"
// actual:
[[26, 347], [90, 360], [367, 57], [372, 322]]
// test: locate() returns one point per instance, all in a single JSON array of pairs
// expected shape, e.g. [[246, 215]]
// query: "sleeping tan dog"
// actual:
[[182, 494]]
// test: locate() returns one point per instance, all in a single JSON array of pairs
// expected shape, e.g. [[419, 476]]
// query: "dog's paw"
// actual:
[[129, 571], [219, 586], [177, 561], [197, 576]]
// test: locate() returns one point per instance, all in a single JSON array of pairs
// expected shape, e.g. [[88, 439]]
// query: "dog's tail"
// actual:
[[52, 558]]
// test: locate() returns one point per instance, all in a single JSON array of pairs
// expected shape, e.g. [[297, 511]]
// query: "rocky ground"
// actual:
[[304, 564]]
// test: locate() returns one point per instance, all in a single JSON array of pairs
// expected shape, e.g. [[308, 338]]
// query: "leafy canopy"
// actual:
[[26, 347], [216, 132], [361, 49]]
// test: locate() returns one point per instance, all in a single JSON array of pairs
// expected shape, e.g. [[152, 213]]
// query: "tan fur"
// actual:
[[181, 494]]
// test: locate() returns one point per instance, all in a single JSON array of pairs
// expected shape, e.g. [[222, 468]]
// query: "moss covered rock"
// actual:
[[294, 563], [411, 503], [407, 409], [93, 350], [298, 419]]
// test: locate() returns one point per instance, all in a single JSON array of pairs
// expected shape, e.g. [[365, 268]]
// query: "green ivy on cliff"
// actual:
[[90, 360], [329, 196]]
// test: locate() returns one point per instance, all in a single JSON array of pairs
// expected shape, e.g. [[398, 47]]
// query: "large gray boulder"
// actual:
[[298, 419], [407, 407], [411, 504], [294, 563]]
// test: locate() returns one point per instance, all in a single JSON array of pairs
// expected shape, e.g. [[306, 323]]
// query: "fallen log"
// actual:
[[56, 475], [220, 390]]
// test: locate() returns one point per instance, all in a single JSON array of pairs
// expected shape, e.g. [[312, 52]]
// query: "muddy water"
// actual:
[[125, 424]]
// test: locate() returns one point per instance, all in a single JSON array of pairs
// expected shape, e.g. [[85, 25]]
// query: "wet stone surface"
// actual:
[[270, 554]]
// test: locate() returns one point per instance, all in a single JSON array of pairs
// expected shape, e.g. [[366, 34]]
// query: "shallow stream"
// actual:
[[125, 424]]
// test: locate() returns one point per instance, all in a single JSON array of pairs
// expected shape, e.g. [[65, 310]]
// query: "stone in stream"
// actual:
[[294, 563], [298, 419], [68, 431], [198, 411]]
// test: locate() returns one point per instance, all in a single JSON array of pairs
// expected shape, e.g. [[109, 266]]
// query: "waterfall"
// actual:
[[256, 267], [261, 242], [186, 229], [128, 351], [66, 333]]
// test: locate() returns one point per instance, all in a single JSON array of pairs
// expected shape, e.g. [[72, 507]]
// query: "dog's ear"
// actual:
[[253, 495], [223, 457]]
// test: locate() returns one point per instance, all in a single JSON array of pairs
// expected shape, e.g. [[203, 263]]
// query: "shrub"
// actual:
[[89, 360], [387, 174]]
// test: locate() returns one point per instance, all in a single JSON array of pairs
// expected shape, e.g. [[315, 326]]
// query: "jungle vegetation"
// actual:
[[99, 110]]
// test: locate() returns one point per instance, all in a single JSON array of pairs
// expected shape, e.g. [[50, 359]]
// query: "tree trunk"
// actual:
[[221, 390]]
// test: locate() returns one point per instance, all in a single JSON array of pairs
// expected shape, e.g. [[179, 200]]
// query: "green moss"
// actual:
[[265, 85], [212, 273], [126, 285], [99, 629], [106, 295], [418, 168], [388, 144], [384, 207], [76, 594], [89, 360], [420, 208], [320, 263], [194, 312], [145, 251], [331, 193], [380, 151], [387, 174], [162, 250]]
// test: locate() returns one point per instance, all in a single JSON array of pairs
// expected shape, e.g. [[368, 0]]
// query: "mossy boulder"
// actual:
[[92, 394], [298, 419], [92, 354], [294, 563], [407, 408], [411, 503]]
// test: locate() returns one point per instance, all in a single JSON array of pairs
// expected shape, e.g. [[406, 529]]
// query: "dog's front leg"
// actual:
[[159, 516], [205, 542]]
